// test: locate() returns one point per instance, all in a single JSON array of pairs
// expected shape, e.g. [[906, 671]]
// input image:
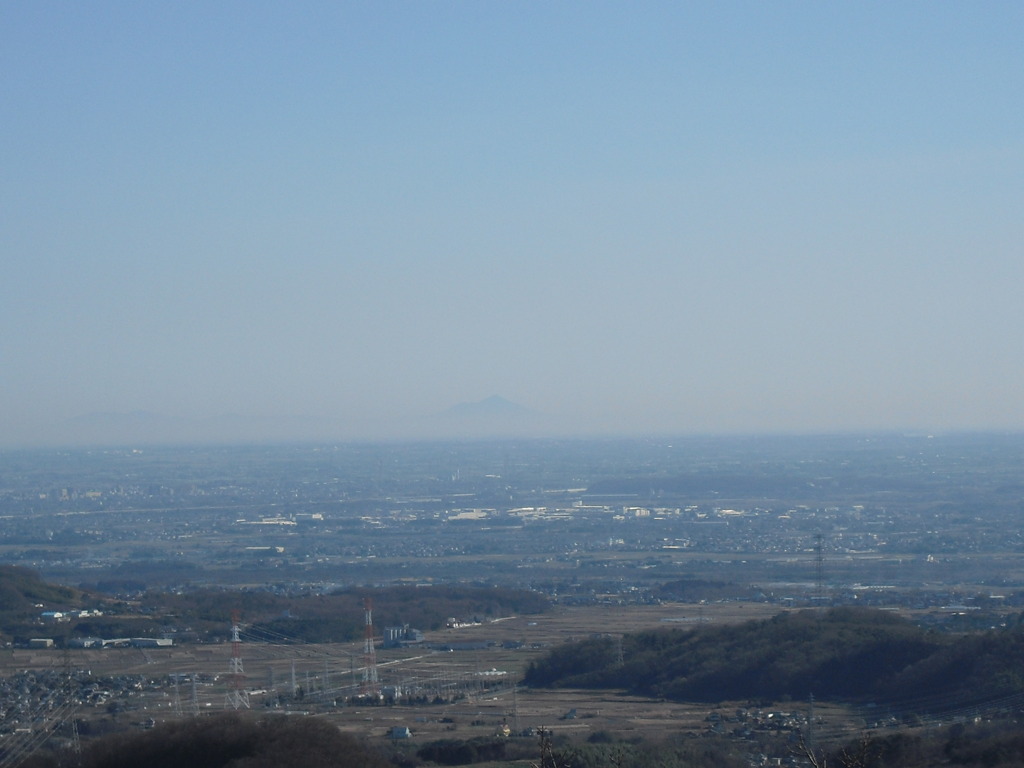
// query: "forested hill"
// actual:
[[206, 613], [21, 590], [841, 653], [339, 616]]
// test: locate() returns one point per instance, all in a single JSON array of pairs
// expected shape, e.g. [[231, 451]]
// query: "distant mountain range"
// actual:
[[494, 416], [141, 427]]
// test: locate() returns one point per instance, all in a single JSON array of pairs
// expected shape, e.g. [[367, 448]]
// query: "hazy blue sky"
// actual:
[[692, 217]]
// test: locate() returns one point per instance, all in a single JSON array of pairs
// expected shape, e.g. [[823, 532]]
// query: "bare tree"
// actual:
[[549, 758], [858, 756]]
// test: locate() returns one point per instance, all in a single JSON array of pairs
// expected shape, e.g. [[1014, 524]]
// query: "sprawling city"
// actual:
[[575, 384], [419, 595]]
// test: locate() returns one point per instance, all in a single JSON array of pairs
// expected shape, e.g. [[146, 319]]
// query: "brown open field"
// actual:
[[477, 685]]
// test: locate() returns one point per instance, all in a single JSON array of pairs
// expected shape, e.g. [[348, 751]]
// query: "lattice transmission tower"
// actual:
[[371, 682], [819, 570], [237, 697]]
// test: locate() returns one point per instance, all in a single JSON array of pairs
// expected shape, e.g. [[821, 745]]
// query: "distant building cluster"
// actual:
[[98, 642], [121, 642], [66, 616], [397, 637]]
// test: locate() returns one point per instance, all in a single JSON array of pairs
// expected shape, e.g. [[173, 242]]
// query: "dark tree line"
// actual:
[[841, 653], [339, 616], [309, 617], [998, 744], [235, 741]]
